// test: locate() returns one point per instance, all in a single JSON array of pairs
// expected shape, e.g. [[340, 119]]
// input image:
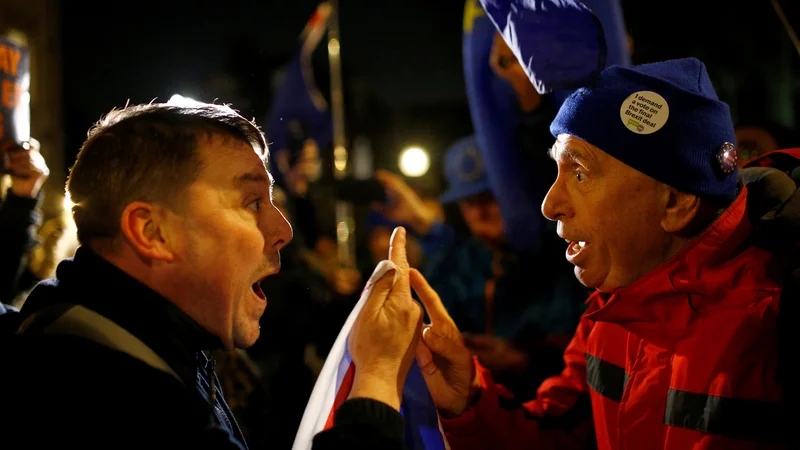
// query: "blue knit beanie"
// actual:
[[663, 119]]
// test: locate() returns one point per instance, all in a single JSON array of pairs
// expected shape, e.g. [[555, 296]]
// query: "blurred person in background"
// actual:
[[24, 171], [298, 169], [57, 240], [379, 229], [756, 138]]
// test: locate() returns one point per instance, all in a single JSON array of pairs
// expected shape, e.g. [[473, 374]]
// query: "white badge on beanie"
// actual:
[[644, 112]]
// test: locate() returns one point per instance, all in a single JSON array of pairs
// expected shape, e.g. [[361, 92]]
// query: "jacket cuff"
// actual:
[[366, 411], [22, 202], [484, 399], [21, 209]]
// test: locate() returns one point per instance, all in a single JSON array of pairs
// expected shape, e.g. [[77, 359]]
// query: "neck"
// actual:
[[649, 261], [676, 243], [128, 261]]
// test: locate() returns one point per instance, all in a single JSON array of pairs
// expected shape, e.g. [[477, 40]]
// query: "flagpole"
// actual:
[[786, 25], [344, 210]]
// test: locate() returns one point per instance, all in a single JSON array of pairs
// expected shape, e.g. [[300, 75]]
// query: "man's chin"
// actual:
[[589, 279], [249, 340], [602, 283]]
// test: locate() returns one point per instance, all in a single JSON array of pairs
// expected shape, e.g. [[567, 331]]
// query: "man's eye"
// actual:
[[255, 205], [580, 175]]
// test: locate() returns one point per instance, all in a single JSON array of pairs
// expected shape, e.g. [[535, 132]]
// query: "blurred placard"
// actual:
[[15, 105]]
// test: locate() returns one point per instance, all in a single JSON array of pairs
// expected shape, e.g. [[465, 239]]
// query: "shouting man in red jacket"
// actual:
[[678, 348]]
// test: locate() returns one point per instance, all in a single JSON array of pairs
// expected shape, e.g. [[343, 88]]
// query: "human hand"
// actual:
[[404, 205], [496, 354], [27, 168], [385, 335], [445, 361]]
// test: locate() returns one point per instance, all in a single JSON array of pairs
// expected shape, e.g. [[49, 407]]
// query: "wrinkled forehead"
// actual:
[[572, 148], [222, 155]]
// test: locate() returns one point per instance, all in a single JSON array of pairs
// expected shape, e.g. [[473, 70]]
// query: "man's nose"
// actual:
[[283, 233], [555, 205]]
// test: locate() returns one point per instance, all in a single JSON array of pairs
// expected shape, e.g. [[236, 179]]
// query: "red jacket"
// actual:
[[683, 358]]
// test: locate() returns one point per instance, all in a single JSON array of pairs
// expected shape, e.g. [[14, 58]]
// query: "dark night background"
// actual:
[[404, 84], [401, 60]]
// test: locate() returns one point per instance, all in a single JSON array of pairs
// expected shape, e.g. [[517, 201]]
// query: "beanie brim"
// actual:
[[666, 125]]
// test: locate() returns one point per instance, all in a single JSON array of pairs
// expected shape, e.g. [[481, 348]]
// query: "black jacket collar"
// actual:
[[91, 281]]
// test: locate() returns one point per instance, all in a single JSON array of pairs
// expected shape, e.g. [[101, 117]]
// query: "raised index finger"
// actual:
[[433, 304], [397, 254]]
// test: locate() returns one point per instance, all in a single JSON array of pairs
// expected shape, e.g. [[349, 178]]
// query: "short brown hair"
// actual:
[[145, 153]]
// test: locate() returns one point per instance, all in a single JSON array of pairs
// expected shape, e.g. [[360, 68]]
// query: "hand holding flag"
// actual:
[[373, 357], [386, 332]]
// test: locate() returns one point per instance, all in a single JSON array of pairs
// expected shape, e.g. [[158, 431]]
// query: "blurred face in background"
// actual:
[[482, 214], [308, 162], [754, 142], [507, 67]]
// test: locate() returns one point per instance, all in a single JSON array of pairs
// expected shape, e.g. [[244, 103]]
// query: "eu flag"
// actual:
[[495, 116], [299, 110], [561, 45]]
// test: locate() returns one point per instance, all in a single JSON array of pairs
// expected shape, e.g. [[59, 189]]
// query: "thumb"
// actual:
[[425, 359], [440, 344]]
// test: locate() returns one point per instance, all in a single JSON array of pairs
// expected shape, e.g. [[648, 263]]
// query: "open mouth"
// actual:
[[257, 289], [575, 247]]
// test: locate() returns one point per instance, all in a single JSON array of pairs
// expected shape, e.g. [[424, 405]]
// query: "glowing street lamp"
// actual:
[[414, 161]]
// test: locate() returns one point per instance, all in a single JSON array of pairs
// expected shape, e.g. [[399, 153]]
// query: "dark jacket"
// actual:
[[19, 221], [70, 392]]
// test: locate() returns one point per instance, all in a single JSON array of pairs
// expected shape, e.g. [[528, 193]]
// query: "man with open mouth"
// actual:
[[679, 346], [174, 212]]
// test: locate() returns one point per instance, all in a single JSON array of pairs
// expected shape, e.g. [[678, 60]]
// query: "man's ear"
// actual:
[[680, 211], [143, 225]]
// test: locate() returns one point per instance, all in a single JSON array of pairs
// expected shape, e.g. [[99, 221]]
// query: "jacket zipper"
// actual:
[[213, 395], [212, 381]]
